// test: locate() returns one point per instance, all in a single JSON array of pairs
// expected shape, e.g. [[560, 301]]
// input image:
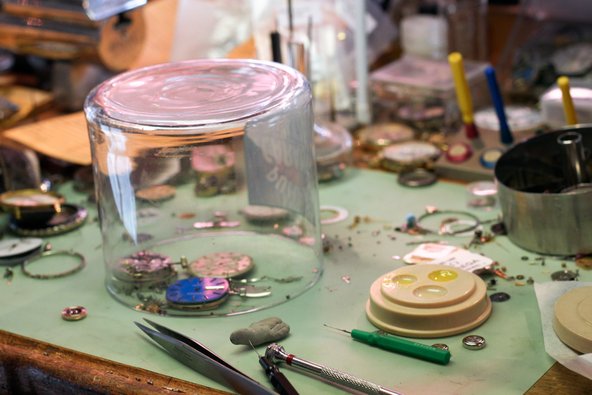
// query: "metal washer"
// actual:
[[474, 342]]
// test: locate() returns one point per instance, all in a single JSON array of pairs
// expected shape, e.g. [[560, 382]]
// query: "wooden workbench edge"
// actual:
[[31, 366]]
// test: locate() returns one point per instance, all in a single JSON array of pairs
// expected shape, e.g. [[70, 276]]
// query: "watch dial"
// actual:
[[14, 247], [221, 264], [197, 291], [31, 200]]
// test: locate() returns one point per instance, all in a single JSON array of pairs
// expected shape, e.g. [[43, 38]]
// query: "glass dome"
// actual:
[[206, 185]]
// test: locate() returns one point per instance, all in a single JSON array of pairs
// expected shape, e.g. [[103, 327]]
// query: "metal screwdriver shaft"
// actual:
[[277, 353]]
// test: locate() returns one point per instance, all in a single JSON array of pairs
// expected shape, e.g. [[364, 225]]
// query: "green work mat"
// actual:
[[512, 361]]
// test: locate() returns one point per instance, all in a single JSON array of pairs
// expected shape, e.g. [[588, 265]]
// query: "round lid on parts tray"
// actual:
[[573, 315]]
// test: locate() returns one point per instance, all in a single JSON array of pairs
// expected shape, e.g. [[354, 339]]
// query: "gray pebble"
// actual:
[[264, 331]]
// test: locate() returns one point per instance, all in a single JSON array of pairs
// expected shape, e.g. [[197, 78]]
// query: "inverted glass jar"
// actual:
[[206, 186]]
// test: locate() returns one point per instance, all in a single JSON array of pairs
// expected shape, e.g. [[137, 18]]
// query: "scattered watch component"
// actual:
[[221, 264], [264, 214], [415, 178], [481, 194], [409, 154], [267, 330], [215, 223], [447, 222], [332, 214], [219, 220], [499, 228], [474, 342], [428, 301], [148, 215], [49, 254], [584, 261], [74, 313], [70, 217], [249, 290], [490, 156], [145, 266], [214, 166], [140, 238], [156, 193], [198, 293], [31, 205], [458, 152], [377, 136], [8, 274], [565, 275], [293, 231], [499, 297], [15, 251], [572, 318]]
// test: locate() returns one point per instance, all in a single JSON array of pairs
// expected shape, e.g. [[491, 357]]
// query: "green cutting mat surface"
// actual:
[[512, 361]]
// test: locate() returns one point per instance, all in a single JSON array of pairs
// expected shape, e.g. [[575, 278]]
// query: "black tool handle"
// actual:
[[278, 379]]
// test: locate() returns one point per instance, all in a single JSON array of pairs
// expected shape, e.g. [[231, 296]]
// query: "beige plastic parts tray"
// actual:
[[428, 301]]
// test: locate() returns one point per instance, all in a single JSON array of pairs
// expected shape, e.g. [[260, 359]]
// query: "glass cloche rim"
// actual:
[[103, 103]]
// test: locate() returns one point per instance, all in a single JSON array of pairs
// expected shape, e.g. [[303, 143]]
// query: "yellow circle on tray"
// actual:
[[443, 275], [395, 281]]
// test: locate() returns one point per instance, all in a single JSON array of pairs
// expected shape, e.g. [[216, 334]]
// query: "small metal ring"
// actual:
[[451, 233], [45, 254]]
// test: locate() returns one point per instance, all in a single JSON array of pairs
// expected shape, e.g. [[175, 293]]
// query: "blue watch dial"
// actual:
[[196, 291]]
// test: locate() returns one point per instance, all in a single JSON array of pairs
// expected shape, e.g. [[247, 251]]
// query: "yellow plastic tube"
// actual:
[[568, 106]]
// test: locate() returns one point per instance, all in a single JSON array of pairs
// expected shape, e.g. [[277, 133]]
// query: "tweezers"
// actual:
[[199, 358]]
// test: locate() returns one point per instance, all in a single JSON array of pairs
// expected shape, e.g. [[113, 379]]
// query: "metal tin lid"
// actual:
[[194, 93]]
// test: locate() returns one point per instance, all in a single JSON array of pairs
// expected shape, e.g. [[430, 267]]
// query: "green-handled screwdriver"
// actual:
[[399, 345]]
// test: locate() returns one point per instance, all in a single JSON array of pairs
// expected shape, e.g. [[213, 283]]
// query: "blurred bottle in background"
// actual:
[[434, 28]]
